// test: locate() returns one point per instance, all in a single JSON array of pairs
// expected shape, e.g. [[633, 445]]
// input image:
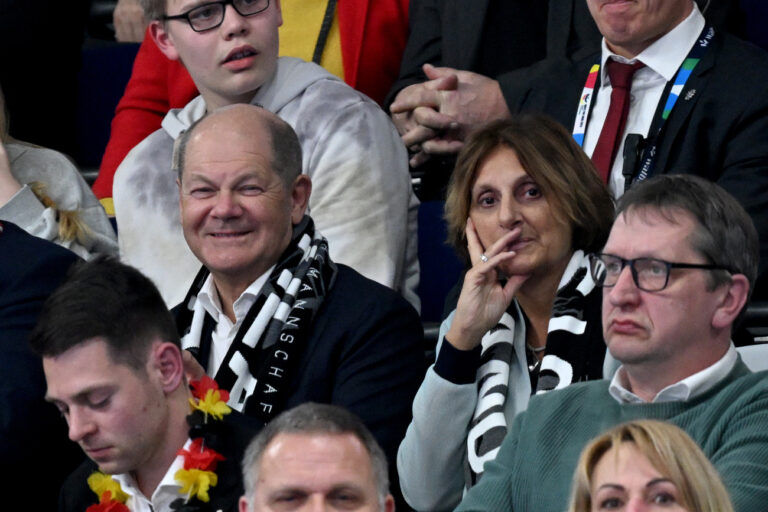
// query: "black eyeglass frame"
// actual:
[[223, 3], [631, 262]]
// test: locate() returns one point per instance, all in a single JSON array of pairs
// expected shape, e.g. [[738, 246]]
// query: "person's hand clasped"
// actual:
[[483, 297], [415, 113], [434, 117], [130, 22]]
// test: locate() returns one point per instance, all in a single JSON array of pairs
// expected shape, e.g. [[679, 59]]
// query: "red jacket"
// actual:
[[371, 65]]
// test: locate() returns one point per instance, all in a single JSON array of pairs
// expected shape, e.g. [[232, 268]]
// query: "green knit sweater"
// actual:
[[535, 465]]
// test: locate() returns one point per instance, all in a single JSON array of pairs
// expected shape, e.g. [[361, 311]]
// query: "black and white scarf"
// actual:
[[258, 367], [574, 352]]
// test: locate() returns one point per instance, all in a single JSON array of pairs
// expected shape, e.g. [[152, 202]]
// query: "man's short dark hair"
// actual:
[[314, 418], [725, 234], [284, 144], [109, 300]]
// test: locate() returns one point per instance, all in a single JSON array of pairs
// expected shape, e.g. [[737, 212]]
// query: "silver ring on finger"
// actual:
[[483, 258]]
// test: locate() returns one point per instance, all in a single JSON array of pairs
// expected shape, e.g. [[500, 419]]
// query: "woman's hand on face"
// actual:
[[483, 299], [129, 20], [8, 184]]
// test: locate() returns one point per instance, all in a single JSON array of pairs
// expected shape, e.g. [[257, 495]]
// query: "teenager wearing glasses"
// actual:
[[361, 199]]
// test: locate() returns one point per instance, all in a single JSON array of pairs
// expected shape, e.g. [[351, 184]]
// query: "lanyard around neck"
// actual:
[[585, 105], [684, 72]]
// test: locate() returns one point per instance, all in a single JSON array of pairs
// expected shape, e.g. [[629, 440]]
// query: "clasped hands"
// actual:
[[129, 20], [434, 117]]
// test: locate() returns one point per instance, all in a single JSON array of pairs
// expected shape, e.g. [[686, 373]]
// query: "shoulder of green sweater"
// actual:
[[740, 381], [738, 389], [577, 392], [743, 381]]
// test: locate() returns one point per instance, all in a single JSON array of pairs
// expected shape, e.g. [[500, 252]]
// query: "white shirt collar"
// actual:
[[209, 297], [690, 387], [665, 55], [166, 492]]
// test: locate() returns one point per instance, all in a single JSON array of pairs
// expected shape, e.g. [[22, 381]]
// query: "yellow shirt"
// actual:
[[302, 20]]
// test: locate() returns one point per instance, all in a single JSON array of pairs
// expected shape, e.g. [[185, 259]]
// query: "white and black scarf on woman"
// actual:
[[258, 367], [574, 352]]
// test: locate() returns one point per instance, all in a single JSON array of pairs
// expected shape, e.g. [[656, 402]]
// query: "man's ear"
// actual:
[[734, 297], [163, 39], [243, 504], [389, 503], [300, 192], [167, 365]]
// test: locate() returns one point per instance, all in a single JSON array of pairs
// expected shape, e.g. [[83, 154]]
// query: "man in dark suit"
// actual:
[[716, 128], [114, 368], [270, 315], [475, 50], [482, 56], [31, 430]]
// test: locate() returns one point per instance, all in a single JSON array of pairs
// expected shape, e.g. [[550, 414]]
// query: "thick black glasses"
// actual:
[[649, 274], [211, 15]]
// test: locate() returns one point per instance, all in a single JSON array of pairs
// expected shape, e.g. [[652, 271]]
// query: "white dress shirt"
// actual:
[[167, 490], [662, 59], [690, 387], [224, 333]]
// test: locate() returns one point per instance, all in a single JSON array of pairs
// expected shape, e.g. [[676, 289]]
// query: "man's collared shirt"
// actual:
[[690, 387], [166, 492], [224, 333], [662, 59]]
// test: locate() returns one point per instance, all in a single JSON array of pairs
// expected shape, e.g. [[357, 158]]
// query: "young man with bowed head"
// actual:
[[676, 274], [362, 194], [114, 369], [315, 457], [270, 315]]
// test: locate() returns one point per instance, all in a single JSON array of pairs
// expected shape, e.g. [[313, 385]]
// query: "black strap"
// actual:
[[325, 29], [633, 148], [185, 310], [640, 156]]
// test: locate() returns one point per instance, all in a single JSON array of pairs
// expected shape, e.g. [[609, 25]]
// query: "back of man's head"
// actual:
[[104, 299], [725, 234], [313, 419]]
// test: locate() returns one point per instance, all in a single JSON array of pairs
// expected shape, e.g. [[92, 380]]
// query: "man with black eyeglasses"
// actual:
[[676, 273], [362, 197]]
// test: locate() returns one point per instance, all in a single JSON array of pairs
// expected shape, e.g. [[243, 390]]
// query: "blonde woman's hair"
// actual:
[[71, 225], [670, 451]]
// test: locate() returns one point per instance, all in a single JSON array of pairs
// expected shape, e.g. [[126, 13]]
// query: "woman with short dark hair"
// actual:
[[524, 208]]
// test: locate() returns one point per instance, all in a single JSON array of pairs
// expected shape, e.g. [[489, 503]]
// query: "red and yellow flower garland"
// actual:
[[199, 472]]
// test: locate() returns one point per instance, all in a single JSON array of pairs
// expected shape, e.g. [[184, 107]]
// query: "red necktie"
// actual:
[[610, 137]]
